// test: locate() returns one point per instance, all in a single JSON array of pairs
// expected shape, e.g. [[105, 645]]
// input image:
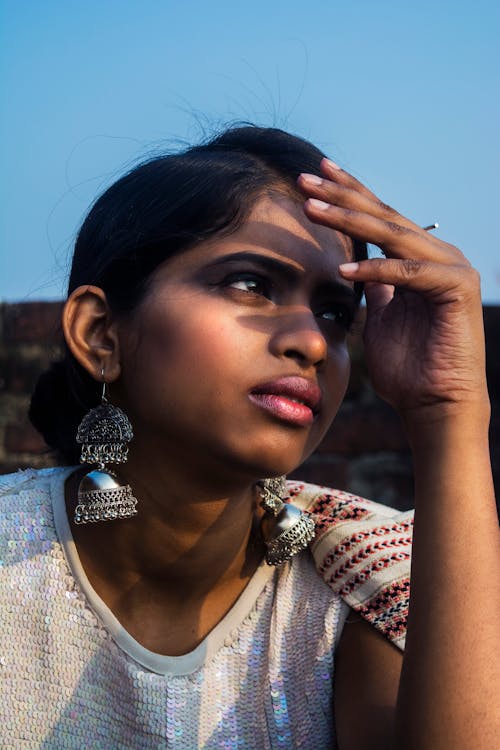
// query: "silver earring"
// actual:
[[104, 434], [286, 529]]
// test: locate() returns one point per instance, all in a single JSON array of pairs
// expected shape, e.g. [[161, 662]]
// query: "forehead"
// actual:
[[277, 227], [279, 223]]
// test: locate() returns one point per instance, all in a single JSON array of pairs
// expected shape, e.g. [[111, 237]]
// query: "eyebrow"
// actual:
[[285, 269]]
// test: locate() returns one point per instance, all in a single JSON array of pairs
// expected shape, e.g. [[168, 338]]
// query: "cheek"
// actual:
[[339, 369], [184, 348]]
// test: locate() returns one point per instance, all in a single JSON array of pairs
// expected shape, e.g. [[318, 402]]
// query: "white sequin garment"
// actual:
[[71, 677]]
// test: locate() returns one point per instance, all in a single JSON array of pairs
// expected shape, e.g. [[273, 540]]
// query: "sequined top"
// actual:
[[72, 677]]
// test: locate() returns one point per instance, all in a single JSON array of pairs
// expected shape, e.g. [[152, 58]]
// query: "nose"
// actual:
[[298, 337]]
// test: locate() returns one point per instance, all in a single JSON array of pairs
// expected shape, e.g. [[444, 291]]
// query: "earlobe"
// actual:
[[90, 332]]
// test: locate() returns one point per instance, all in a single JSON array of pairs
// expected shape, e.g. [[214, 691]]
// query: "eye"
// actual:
[[337, 313], [250, 283]]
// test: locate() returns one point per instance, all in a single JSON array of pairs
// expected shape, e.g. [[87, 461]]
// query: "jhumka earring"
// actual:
[[103, 434], [286, 529]]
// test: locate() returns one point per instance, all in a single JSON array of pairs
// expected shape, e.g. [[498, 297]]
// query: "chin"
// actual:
[[274, 462]]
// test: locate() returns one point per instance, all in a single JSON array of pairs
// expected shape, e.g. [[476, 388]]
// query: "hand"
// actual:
[[424, 337]]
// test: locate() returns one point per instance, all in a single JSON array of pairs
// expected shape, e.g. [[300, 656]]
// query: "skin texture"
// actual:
[[202, 316], [211, 328], [425, 350], [183, 365], [368, 670]]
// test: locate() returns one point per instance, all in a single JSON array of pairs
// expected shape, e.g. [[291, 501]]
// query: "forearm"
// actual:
[[424, 345], [449, 690]]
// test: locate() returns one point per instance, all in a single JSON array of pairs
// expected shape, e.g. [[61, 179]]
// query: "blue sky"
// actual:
[[404, 95]]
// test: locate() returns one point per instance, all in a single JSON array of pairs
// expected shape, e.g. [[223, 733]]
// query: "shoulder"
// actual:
[[13, 484], [362, 550], [21, 489], [327, 502], [28, 487], [29, 549], [26, 517], [28, 479], [339, 514]]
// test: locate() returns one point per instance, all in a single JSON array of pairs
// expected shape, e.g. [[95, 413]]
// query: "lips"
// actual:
[[291, 399]]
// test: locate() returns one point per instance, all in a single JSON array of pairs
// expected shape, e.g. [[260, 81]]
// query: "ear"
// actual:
[[91, 333]]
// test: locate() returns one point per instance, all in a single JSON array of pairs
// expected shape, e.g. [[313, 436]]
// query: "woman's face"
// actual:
[[236, 358]]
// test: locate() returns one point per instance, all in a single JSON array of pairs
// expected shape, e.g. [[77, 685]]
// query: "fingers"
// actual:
[[345, 190], [338, 200], [455, 282], [378, 208], [334, 193], [393, 238], [377, 296], [333, 172]]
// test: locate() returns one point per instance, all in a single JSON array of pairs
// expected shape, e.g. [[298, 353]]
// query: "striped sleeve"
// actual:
[[362, 550]]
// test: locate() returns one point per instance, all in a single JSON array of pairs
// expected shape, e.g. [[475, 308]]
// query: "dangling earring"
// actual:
[[104, 433], [286, 530]]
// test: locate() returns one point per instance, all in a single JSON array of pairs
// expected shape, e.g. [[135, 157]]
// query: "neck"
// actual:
[[188, 535]]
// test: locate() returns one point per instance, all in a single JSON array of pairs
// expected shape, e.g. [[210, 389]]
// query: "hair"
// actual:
[[159, 209]]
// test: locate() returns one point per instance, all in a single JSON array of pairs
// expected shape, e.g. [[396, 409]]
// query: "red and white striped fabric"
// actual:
[[362, 550]]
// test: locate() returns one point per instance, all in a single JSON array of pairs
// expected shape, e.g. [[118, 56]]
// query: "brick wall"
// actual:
[[365, 450]]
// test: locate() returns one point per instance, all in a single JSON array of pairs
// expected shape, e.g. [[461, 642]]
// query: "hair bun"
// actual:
[[55, 410]]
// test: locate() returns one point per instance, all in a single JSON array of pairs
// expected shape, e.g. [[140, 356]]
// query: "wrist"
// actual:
[[428, 426], [452, 464]]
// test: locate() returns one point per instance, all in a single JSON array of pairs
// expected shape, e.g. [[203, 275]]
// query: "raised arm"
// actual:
[[425, 351]]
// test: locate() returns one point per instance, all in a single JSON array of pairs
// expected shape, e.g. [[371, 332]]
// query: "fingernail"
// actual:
[[312, 179], [332, 164], [319, 205], [348, 268]]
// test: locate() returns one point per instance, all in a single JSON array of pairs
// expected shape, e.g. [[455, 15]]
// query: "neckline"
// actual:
[[160, 663]]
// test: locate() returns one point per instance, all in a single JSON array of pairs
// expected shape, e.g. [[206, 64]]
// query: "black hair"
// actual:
[[158, 209]]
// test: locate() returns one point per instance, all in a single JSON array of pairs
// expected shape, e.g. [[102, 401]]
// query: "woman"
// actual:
[[210, 297]]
